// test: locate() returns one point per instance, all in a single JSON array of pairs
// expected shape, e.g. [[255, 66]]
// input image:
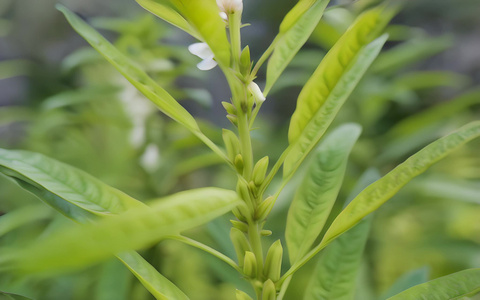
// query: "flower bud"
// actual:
[[273, 262], [265, 232], [242, 226], [240, 243], [269, 291], [243, 192], [250, 265], [231, 143], [242, 295], [245, 63], [264, 208], [230, 6], [256, 92], [238, 162], [260, 170], [230, 108], [233, 119]]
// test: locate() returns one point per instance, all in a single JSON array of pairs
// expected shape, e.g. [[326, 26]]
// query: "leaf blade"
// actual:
[[309, 211]]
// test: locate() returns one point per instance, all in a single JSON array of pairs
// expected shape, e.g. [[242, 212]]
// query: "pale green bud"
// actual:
[[260, 170], [273, 262], [233, 119], [231, 143], [250, 264], [265, 232], [242, 295], [240, 243], [242, 226], [264, 208], [245, 63], [238, 162], [243, 192], [269, 291], [230, 108]]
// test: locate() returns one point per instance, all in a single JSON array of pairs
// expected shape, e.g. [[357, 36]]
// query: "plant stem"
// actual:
[[246, 145], [264, 57], [234, 22], [207, 249]]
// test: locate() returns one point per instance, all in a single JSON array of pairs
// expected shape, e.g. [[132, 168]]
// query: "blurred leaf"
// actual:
[[288, 42], [460, 285], [73, 192], [113, 282], [376, 194], [12, 68], [431, 79], [22, 216], [331, 84], [408, 280], [132, 73], [79, 96], [8, 296], [134, 229], [449, 188], [318, 191]]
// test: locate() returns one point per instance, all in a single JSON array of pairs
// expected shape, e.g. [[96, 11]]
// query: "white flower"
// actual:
[[256, 92], [229, 6], [204, 52]]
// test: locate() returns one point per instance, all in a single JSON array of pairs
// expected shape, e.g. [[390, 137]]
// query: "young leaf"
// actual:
[[163, 10], [331, 84], [318, 191], [336, 271], [131, 72], [75, 193], [383, 189], [460, 285], [159, 286], [294, 32], [134, 229]]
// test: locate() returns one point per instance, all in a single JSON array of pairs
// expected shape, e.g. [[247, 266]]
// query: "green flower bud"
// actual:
[[240, 243], [238, 162], [264, 208], [266, 232], [243, 192], [250, 265], [238, 214], [245, 63], [273, 262], [242, 226], [233, 119], [231, 143], [242, 295], [269, 291], [260, 170], [230, 108]]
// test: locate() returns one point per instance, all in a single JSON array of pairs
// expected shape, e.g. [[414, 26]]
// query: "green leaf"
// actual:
[[460, 285], [134, 229], [8, 296], [407, 281], [132, 72], [163, 10], [376, 194], [336, 271], [318, 191], [204, 16], [73, 192], [154, 282], [294, 32], [318, 105], [23, 215]]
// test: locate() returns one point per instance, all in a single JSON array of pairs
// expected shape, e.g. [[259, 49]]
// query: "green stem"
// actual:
[[245, 144], [207, 249], [284, 288], [264, 57], [256, 243], [234, 22]]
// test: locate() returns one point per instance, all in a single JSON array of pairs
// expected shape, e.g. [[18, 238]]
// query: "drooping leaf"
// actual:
[[318, 191], [294, 32], [407, 281], [163, 10], [133, 229], [75, 193], [8, 296], [456, 286], [131, 72], [376, 194], [152, 280], [336, 271]]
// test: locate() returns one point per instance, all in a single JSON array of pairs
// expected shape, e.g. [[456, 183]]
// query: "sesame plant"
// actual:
[[111, 222]]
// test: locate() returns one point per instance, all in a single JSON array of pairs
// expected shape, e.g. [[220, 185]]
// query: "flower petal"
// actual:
[[256, 92], [207, 64], [201, 50]]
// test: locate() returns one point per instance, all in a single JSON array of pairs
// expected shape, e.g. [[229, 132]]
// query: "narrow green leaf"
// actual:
[[336, 271], [154, 282], [163, 10], [383, 189], [8, 296], [407, 281], [318, 105], [131, 72], [460, 285], [23, 215], [318, 191], [75, 193], [294, 32], [134, 229], [204, 16]]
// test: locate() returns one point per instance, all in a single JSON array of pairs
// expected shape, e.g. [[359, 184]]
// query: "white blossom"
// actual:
[[229, 6], [256, 92], [204, 52]]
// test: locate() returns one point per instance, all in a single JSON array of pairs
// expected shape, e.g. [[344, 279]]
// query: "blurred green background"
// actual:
[[60, 98]]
